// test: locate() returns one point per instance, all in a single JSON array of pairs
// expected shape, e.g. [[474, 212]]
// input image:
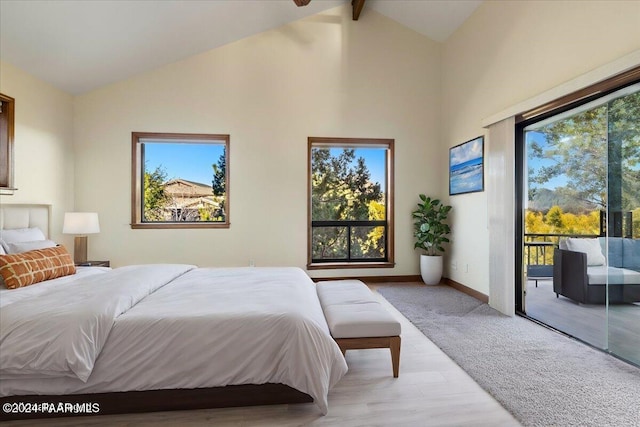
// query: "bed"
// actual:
[[166, 336]]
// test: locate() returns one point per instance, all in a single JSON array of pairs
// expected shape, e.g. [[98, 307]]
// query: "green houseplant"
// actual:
[[430, 231]]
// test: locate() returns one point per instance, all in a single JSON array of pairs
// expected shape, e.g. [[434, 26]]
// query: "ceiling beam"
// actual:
[[357, 8]]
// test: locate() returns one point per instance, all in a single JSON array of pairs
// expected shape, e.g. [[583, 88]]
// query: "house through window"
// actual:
[[180, 180], [350, 203]]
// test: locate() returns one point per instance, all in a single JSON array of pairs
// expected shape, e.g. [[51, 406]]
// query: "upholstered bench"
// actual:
[[357, 321]]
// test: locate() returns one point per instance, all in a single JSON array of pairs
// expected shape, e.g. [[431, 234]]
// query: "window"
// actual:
[[6, 144], [179, 180], [350, 203]]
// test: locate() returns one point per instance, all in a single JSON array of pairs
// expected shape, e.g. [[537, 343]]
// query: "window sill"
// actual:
[[344, 265], [182, 225]]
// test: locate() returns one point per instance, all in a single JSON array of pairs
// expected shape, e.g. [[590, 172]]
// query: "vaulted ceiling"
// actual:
[[81, 45]]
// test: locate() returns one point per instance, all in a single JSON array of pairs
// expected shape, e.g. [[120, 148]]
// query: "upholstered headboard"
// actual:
[[25, 216]]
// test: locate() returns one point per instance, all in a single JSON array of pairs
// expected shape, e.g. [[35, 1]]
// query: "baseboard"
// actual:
[[467, 290], [409, 278], [373, 279]]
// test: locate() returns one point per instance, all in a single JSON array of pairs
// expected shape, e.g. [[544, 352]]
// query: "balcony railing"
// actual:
[[346, 233], [538, 253], [538, 247]]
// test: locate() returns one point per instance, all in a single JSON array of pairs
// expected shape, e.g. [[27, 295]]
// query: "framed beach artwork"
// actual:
[[466, 167]]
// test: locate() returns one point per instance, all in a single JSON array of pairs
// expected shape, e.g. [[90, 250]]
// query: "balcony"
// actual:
[[538, 253]]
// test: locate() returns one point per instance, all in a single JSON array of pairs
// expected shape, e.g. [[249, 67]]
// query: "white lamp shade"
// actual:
[[81, 223]]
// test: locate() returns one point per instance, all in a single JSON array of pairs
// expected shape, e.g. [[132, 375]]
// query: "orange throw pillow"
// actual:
[[31, 267]]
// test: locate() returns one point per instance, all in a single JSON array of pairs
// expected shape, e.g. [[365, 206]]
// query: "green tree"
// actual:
[[341, 191], [155, 198], [578, 148], [219, 186], [624, 127], [375, 243], [636, 223], [554, 219], [219, 183]]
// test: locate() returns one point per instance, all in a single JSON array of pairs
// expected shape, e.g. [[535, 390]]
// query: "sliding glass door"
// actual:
[[581, 221], [623, 224]]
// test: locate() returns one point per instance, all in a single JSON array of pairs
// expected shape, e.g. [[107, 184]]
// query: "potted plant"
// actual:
[[430, 231]]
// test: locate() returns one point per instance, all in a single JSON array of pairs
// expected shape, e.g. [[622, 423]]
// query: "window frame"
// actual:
[[7, 183], [137, 139], [313, 142]]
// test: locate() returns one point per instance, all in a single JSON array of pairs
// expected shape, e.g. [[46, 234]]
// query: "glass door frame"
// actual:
[[540, 113]]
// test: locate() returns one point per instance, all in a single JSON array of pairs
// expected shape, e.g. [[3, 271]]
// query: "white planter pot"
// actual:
[[431, 269]]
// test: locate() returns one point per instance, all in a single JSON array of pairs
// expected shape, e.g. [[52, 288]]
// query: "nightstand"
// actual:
[[94, 264]]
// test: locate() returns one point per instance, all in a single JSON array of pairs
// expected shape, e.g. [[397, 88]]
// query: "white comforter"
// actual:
[[61, 333], [205, 328]]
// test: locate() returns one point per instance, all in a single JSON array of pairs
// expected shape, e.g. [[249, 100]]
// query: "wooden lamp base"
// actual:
[[80, 250]]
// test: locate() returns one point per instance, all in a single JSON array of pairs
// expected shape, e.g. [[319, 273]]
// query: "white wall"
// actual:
[[505, 53], [43, 143], [322, 76]]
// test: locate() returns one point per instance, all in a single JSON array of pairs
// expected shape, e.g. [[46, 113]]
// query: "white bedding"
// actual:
[[62, 331], [210, 328], [9, 296]]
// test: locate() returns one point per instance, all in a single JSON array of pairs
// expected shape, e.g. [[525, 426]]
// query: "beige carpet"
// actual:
[[542, 377]]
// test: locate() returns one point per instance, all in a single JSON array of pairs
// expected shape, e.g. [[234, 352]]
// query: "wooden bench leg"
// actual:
[[395, 355], [392, 343]]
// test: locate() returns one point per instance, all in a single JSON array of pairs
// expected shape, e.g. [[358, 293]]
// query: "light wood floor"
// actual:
[[431, 391]]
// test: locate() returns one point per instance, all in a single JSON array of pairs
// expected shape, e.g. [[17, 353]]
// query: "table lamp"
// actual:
[[81, 224]]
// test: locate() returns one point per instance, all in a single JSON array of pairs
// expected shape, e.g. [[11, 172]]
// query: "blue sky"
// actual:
[[374, 159], [188, 161], [193, 161], [536, 163]]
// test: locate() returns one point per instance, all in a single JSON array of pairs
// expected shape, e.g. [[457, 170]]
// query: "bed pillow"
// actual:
[[2, 251], [19, 247], [589, 246], [27, 268], [20, 235]]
